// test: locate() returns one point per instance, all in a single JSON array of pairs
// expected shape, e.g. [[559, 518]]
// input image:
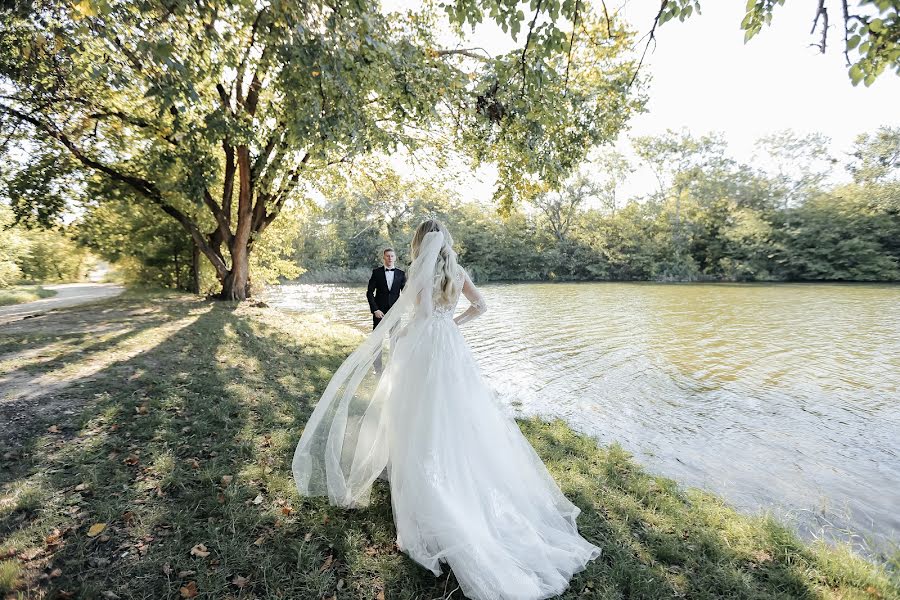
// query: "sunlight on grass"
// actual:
[[18, 294], [182, 455]]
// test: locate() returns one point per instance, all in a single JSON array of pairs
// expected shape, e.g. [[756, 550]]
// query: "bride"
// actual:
[[466, 487]]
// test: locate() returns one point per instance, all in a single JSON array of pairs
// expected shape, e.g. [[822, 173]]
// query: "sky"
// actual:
[[704, 78]]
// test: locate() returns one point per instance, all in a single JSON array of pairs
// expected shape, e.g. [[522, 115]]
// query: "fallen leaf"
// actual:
[[143, 409], [109, 595], [258, 499], [200, 551], [307, 537], [128, 516], [227, 479], [96, 529], [53, 429], [380, 595], [340, 584], [327, 563], [131, 459], [287, 510], [167, 569], [55, 573], [195, 464], [54, 538], [183, 574], [240, 582], [81, 487], [189, 590], [259, 541]]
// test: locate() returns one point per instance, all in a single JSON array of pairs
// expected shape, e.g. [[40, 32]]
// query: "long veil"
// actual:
[[344, 446]]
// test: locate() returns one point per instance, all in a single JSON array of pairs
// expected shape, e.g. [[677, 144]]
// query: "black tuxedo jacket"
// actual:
[[379, 296]]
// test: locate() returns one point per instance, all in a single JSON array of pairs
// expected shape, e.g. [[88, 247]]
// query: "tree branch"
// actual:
[[572, 43], [142, 186], [537, 13], [652, 38], [823, 12], [467, 52]]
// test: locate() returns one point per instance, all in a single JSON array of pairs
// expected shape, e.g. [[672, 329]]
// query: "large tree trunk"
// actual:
[[195, 267], [236, 284]]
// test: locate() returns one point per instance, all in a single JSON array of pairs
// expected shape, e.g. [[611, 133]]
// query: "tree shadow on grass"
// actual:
[[183, 471]]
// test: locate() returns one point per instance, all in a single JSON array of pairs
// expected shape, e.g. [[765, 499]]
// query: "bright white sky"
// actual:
[[704, 78]]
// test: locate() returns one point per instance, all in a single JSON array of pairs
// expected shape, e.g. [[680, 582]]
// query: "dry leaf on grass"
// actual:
[[327, 564], [189, 590], [227, 479], [53, 429], [54, 538], [240, 582], [96, 529], [200, 551], [258, 499]]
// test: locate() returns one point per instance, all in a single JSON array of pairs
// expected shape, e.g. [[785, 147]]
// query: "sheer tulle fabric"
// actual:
[[466, 486]]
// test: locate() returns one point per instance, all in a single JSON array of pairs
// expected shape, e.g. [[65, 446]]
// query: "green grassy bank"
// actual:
[[146, 453], [18, 294]]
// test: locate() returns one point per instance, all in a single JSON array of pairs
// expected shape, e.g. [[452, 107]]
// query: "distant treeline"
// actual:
[[710, 219], [713, 220]]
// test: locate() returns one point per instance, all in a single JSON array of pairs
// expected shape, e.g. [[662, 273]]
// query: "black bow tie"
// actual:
[[389, 269]]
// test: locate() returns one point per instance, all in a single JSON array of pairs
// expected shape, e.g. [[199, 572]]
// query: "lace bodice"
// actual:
[[477, 306]]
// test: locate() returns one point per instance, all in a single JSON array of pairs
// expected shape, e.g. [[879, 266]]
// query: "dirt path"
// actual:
[[68, 294]]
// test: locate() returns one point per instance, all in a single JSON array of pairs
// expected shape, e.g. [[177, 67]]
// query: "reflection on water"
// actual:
[[781, 397]]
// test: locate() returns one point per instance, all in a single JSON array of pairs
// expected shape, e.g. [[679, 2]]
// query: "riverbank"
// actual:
[[18, 294], [149, 456]]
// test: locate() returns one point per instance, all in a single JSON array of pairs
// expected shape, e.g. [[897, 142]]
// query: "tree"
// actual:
[[677, 159], [614, 169], [217, 114], [876, 156], [799, 163], [560, 209]]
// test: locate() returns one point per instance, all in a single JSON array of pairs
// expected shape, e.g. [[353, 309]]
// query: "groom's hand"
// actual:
[[378, 314]]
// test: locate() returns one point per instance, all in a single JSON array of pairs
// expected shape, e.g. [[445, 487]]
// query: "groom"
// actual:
[[384, 290], [384, 287]]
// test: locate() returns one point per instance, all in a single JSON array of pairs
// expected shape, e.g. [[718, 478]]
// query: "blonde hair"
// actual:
[[445, 284]]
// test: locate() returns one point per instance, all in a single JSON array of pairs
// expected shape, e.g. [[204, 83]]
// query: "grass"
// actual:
[[170, 478], [17, 294]]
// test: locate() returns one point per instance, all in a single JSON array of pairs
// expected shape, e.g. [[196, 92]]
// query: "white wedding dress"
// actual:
[[466, 486]]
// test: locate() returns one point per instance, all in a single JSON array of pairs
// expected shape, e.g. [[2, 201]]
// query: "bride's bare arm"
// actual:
[[477, 304]]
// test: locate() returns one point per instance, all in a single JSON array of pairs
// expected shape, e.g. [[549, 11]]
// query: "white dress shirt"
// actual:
[[389, 275]]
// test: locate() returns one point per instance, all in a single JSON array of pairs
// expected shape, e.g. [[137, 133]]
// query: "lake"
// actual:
[[780, 397]]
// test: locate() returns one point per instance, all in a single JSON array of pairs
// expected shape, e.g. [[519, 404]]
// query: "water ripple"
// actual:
[[779, 397]]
